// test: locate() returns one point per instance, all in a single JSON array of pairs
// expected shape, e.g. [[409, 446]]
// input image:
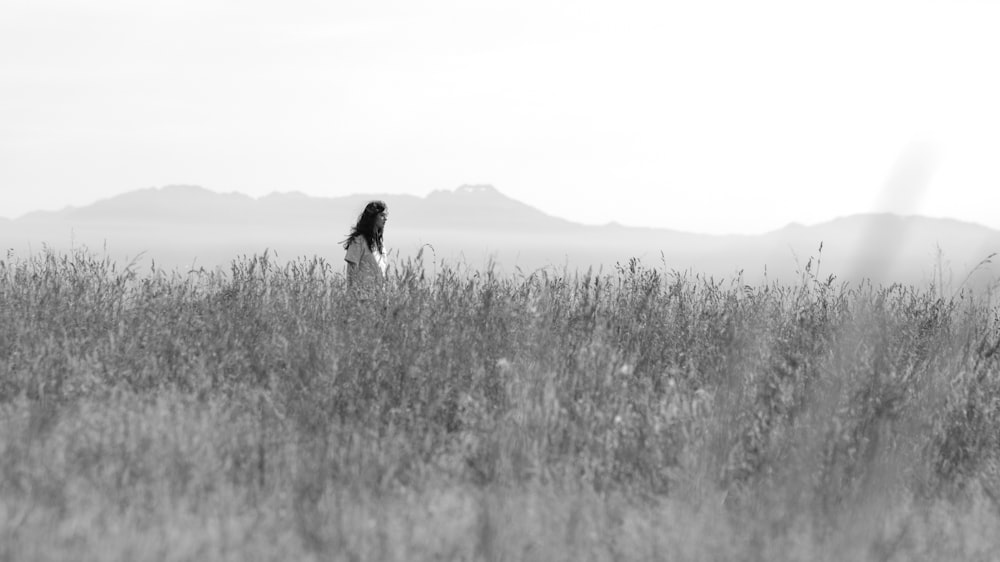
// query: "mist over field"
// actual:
[[184, 227]]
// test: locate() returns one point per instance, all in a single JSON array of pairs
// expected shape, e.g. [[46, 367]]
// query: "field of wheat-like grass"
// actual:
[[262, 413]]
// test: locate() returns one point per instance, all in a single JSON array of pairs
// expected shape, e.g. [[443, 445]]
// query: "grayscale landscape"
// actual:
[[666, 280]]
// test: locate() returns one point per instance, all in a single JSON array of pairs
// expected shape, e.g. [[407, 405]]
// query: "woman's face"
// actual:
[[381, 218]]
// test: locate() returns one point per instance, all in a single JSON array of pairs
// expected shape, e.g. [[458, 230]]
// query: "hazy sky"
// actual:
[[700, 115]]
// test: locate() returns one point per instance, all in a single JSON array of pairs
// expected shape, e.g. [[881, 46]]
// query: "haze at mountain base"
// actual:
[[183, 227]]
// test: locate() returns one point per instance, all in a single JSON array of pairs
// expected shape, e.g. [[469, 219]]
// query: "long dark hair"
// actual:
[[366, 226]]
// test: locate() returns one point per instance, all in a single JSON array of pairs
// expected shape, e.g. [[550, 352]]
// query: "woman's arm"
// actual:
[[353, 259], [352, 272]]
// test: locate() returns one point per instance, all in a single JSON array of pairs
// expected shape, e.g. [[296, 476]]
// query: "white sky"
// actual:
[[707, 116]]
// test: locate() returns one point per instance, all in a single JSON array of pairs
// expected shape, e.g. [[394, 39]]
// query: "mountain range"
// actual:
[[180, 227]]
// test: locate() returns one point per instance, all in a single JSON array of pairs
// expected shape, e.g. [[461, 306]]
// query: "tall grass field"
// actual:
[[266, 413]]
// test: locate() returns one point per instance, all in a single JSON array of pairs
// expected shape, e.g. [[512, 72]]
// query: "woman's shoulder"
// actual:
[[359, 244]]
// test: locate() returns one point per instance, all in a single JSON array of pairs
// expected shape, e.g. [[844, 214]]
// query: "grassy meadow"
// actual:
[[262, 413]]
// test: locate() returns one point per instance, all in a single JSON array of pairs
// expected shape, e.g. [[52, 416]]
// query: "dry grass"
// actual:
[[634, 415]]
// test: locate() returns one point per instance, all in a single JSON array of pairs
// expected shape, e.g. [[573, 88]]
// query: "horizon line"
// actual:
[[610, 224]]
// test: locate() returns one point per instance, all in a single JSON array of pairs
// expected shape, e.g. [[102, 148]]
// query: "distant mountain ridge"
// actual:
[[181, 225], [469, 206]]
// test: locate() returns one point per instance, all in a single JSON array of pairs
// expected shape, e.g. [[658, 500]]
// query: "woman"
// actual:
[[366, 262]]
